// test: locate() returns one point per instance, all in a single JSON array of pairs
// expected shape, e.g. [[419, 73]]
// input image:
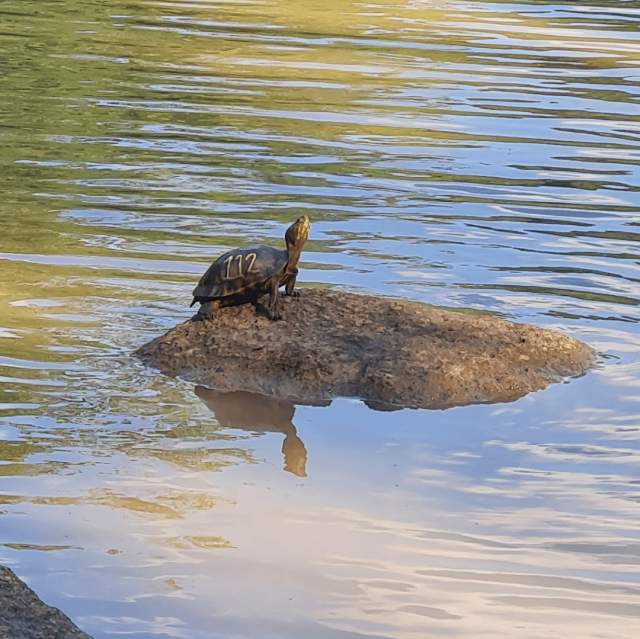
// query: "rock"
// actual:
[[24, 616], [390, 353]]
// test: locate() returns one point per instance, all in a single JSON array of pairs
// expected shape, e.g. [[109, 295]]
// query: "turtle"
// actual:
[[243, 275]]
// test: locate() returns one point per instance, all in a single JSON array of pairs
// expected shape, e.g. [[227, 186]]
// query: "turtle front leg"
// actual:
[[290, 286], [272, 309], [208, 310]]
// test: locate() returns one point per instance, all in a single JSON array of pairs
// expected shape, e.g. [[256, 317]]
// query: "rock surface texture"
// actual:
[[390, 353], [24, 616]]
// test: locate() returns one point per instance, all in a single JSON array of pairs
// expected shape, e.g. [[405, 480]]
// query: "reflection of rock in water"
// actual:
[[257, 413]]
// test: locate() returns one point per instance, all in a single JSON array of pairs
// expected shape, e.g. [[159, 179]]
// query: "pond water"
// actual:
[[480, 155]]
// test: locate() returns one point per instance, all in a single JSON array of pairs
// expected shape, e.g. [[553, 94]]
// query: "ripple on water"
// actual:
[[470, 155]]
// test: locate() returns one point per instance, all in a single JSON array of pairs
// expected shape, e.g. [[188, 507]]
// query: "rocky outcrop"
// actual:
[[390, 353], [24, 616]]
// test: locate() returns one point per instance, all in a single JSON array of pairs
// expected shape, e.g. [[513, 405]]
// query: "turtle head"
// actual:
[[297, 234], [295, 237]]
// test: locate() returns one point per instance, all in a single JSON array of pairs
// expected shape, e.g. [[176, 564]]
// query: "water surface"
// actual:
[[477, 155]]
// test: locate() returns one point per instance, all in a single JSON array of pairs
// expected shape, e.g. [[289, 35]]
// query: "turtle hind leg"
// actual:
[[208, 310]]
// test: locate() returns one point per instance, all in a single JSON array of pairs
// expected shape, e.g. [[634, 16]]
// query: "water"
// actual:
[[479, 155]]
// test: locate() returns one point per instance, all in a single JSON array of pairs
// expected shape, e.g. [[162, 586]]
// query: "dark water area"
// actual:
[[476, 155]]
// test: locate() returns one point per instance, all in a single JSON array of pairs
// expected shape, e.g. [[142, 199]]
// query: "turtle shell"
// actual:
[[238, 271]]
